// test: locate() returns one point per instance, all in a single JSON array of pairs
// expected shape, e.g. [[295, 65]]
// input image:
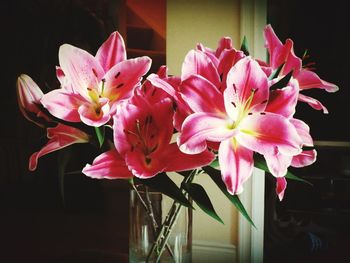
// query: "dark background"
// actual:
[[311, 224], [321, 27], [90, 224]]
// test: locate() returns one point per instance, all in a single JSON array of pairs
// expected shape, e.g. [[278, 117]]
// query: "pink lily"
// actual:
[[109, 165], [92, 86], [283, 101], [60, 137], [29, 95], [142, 135], [284, 53], [224, 58], [171, 86], [237, 120]]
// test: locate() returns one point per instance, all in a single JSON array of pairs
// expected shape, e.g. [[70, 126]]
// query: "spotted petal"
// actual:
[[121, 79], [81, 69]]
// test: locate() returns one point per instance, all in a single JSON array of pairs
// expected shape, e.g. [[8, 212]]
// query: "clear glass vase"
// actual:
[[144, 229]]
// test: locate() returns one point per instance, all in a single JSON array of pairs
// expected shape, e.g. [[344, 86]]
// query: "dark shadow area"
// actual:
[[40, 222], [311, 223]]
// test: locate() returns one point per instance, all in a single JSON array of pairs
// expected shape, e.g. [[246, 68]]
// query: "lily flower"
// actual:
[[237, 120], [29, 95], [92, 86], [142, 137], [307, 79], [60, 137]]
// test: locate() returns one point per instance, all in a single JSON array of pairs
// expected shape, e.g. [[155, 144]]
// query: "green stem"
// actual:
[[169, 223], [149, 210]]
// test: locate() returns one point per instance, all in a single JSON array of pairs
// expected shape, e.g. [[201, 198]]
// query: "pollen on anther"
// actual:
[[262, 113], [250, 113]]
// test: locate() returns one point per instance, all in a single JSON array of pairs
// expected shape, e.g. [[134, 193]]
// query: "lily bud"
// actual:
[[29, 95]]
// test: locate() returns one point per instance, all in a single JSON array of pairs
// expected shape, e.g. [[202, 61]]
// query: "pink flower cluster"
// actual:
[[225, 104]]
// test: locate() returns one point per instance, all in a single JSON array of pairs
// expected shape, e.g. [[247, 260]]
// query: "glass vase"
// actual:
[[146, 219]]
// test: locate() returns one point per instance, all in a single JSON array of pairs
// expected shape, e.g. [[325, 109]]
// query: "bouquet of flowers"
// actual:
[[226, 114]]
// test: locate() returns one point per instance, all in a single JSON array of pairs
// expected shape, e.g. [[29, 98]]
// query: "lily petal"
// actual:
[[228, 58], [63, 105], [196, 62], [243, 79], [201, 95], [281, 185], [141, 166], [304, 131], [305, 158], [283, 101], [121, 79], [258, 132], [224, 43], [111, 52], [236, 165], [278, 163], [176, 160], [60, 136], [108, 165], [81, 69], [95, 114], [161, 83], [317, 105], [308, 80], [199, 127]]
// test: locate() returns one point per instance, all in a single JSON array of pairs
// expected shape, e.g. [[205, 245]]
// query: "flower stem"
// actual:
[[169, 222], [149, 210]]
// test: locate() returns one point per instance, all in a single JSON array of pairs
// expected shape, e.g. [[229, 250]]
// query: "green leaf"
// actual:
[[215, 175], [215, 163], [244, 46], [283, 82], [276, 72], [291, 176], [201, 198], [260, 163], [165, 185], [100, 134]]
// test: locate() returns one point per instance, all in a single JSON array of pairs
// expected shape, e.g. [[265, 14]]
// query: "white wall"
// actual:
[[206, 21]]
